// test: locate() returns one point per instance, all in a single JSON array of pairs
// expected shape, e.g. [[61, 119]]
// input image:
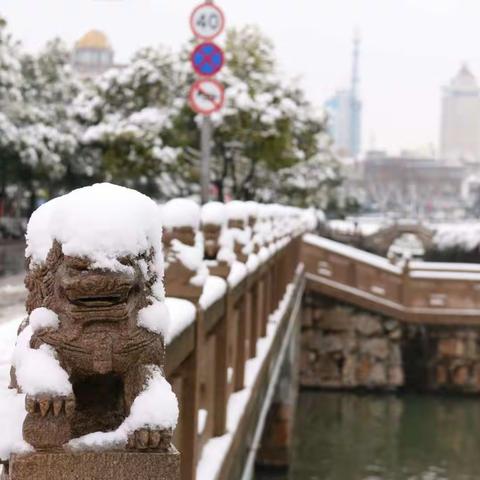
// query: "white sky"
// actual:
[[410, 48]]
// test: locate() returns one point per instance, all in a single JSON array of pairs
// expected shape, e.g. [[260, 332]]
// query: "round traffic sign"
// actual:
[[207, 21], [206, 96], [207, 59]]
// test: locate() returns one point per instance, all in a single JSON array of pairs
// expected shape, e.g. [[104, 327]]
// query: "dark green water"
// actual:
[[341, 436]]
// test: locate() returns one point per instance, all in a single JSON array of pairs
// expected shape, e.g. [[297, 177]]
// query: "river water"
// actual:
[[343, 436]]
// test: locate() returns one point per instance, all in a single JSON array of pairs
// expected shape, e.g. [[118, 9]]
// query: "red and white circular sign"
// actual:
[[207, 21], [206, 96]]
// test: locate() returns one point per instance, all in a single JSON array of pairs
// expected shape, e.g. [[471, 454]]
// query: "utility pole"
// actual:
[[206, 149]]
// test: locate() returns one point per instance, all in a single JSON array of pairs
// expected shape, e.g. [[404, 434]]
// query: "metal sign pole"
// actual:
[[206, 143], [206, 146]]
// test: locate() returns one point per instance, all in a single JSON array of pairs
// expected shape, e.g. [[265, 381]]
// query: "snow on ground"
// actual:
[[12, 405], [465, 235], [363, 226]]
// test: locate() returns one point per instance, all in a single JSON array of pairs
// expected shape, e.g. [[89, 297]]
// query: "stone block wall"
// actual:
[[345, 347], [448, 356]]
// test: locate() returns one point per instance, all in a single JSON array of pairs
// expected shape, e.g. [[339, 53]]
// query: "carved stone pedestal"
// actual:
[[96, 466]]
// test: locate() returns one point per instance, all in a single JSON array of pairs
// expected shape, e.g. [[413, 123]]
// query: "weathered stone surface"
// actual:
[[451, 347], [353, 349], [377, 375], [368, 325], [96, 466], [396, 376], [376, 347], [461, 376], [331, 343], [441, 374], [337, 320]]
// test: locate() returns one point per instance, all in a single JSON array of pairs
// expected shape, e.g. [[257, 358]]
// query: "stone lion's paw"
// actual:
[[46, 404], [149, 439]]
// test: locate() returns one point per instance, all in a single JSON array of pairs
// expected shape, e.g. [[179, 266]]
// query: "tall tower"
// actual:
[[344, 111], [356, 105]]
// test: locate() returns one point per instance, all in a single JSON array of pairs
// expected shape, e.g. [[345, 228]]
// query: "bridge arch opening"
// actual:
[[407, 245]]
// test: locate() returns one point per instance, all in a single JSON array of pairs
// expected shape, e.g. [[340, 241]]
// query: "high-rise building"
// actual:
[[344, 110], [460, 129], [92, 54]]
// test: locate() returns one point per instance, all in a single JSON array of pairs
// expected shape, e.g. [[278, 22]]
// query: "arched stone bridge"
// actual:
[[380, 241]]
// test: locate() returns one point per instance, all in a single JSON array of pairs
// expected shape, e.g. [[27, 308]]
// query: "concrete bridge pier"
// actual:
[[276, 444]]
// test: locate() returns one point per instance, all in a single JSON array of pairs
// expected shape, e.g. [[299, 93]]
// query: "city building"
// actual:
[[460, 126], [93, 54], [344, 110], [413, 187]]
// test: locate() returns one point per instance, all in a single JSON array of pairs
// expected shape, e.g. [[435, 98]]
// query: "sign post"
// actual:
[[206, 145], [206, 96]]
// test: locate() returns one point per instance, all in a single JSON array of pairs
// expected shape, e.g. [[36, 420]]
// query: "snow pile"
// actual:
[[214, 213], [214, 289], [155, 318], [155, 408], [464, 236], [252, 209], [38, 371], [12, 405], [43, 318], [182, 314], [237, 273], [191, 258], [180, 212], [237, 210], [12, 415], [102, 222]]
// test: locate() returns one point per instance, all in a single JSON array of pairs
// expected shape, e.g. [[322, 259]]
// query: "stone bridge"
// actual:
[[358, 315], [359, 322]]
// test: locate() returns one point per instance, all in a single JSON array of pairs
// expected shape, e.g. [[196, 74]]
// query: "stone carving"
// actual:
[[98, 342]]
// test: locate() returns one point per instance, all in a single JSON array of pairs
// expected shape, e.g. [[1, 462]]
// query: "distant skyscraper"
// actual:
[[460, 129], [345, 109], [93, 54]]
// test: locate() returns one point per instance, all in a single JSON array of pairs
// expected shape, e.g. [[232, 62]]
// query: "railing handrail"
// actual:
[[411, 291]]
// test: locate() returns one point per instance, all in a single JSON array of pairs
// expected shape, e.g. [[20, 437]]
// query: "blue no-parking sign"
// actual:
[[207, 59]]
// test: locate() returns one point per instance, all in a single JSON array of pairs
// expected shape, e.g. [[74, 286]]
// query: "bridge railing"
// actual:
[[413, 291], [206, 361]]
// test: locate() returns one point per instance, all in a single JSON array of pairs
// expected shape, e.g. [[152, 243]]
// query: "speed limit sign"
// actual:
[[207, 21]]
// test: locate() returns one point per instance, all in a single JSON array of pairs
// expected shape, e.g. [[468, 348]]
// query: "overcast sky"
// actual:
[[410, 48]]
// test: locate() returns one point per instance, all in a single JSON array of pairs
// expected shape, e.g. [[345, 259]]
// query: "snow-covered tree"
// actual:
[[265, 126], [128, 115]]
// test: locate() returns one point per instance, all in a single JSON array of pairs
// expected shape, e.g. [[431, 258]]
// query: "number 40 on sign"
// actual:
[[207, 21]]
